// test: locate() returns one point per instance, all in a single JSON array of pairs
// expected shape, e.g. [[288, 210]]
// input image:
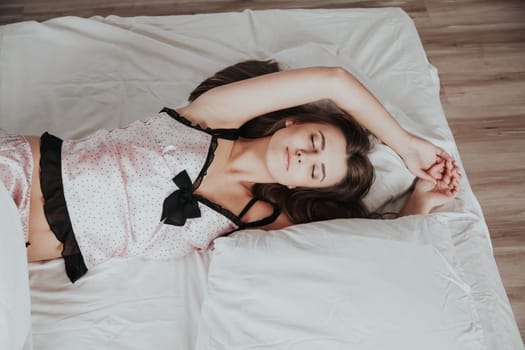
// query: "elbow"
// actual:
[[340, 76], [339, 71], [343, 86]]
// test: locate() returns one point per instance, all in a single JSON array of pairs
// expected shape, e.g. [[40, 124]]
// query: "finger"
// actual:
[[442, 185], [447, 178], [454, 186], [441, 153], [453, 172], [443, 169], [436, 170], [450, 167], [425, 176], [456, 173]]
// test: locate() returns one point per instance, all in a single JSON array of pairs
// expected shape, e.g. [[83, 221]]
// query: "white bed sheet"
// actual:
[[71, 76]]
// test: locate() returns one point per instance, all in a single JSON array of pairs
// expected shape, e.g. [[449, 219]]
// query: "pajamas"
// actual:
[[16, 169]]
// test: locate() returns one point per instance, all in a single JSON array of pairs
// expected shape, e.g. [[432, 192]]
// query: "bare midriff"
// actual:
[[43, 243]]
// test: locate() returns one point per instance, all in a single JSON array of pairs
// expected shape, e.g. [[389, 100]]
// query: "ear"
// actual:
[[288, 122]]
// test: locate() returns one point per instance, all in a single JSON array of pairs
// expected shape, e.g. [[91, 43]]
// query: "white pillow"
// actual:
[[339, 284], [391, 179]]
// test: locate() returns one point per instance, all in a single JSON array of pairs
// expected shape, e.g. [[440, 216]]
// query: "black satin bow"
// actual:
[[181, 204]]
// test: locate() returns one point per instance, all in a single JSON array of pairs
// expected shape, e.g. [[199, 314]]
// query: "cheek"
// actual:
[[275, 163], [341, 171], [298, 176]]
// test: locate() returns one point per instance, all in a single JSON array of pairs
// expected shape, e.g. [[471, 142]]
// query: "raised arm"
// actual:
[[234, 104], [230, 106], [419, 155]]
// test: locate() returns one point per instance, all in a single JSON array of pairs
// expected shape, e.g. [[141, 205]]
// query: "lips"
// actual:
[[286, 159]]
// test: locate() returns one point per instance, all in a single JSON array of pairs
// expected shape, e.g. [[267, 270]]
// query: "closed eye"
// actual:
[[312, 138]]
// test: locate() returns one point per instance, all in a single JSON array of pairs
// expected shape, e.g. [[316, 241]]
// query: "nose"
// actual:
[[305, 156]]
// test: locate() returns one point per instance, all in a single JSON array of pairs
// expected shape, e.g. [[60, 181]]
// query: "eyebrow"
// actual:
[[322, 148], [322, 140]]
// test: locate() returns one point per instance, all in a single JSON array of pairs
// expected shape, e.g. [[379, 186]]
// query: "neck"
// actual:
[[247, 161]]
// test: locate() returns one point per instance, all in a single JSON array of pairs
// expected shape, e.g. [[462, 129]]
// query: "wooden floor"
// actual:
[[478, 47]]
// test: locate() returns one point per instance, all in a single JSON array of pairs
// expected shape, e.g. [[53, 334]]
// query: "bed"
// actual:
[[426, 281]]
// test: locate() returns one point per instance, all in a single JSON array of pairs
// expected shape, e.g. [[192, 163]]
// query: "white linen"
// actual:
[[15, 313], [340, 284], [121, 304], [72, 76]]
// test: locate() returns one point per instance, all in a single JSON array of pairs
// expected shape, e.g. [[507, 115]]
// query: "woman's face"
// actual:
[[307, 155]]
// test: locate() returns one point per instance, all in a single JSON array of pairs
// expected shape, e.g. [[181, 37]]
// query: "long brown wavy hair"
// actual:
[[304, 204]]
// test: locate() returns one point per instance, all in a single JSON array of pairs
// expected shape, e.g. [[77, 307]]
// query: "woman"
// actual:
[[344, 200], [160, 188]]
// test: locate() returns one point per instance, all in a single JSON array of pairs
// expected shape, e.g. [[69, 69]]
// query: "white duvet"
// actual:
[[71, 76]]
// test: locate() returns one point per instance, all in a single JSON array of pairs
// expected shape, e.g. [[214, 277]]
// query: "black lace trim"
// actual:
[[209, 158], [228, 134], [55, 208], [216, 133], [234, 218], [211, 150]]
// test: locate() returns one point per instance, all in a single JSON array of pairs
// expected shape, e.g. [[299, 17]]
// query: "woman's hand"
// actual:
[[428, 195], [443, 190], [420, 156]]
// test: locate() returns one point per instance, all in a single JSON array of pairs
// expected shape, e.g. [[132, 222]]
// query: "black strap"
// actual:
[[263, 222], [248, 206], [228, 134]]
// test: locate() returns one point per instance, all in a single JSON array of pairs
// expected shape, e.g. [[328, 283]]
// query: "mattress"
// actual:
[[71, 76]]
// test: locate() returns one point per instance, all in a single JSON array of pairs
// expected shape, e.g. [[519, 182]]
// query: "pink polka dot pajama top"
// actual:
[[129, 192]]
